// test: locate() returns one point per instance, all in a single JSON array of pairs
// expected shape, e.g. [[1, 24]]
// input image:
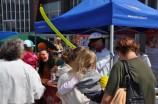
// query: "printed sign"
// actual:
[[81, 40]]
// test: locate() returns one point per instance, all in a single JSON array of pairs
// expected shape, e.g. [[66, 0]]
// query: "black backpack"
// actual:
[[134, 93]]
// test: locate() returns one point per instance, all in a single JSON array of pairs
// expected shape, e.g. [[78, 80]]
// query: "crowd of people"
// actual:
[[78, 72]]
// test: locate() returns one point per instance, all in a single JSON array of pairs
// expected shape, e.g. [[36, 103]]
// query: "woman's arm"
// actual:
[[106, 99], [113, 83]]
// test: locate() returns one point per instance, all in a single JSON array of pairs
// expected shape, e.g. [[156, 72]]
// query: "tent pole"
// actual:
[[35, 43], [111, 44]]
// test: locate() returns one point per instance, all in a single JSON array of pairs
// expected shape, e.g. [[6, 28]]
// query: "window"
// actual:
[[13, 25], [75, 3], [13, 6], [18, 29], [9, 15], [22, 30], [26, 7], [4, 7], [22, 14], [21, 7], [52, 9], [143, 1], [18, 24], [17, 7], [54, 14], [157, 4], [0, 11], [27, 15], [4, 15], [13, 15], [152, 3], [26, 23], [22, 24], [17, 15]]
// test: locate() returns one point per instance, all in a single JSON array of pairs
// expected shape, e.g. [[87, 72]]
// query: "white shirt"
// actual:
[[103, 62], [145, 58], [19, 83]]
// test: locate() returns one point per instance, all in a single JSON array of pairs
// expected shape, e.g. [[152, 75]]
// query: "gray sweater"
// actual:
[[90, 82]]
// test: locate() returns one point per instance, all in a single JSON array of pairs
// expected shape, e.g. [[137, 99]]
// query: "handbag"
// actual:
[[120, 97], [134, 93]]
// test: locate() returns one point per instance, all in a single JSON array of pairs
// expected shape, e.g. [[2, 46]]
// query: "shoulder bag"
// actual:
[[134, 93]]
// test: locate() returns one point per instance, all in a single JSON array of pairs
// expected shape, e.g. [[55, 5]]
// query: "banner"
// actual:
[[81, 40]]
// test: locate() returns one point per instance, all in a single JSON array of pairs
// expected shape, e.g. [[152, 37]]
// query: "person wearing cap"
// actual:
[[29, 57], [103, 54]]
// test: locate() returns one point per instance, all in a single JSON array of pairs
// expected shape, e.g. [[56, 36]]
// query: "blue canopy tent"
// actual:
[[5, 34], [98, 13]]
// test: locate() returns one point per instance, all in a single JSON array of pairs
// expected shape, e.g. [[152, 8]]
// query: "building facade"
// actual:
[[15, 15], [151, 3]]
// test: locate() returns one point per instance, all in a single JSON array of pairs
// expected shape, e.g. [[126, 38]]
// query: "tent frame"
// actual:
[[111, 43]]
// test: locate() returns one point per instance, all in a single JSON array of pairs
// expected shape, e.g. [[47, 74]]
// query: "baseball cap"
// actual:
[[28, 43], [96, 35]]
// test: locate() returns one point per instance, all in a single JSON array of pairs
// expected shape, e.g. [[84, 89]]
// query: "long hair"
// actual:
[[85, 61], [71, 54], [12, 49], [57, 40], [50, 62]]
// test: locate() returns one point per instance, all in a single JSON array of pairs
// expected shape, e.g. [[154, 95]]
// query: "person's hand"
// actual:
[[103, 81]]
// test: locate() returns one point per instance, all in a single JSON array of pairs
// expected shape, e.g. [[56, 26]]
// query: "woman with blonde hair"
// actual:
[[84, 77], [127, 49], [59, 47], [68, 59], [64, 73]]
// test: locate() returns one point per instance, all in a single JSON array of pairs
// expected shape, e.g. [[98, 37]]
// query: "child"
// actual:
[[85, 77], [29, 57], [68, 59]]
